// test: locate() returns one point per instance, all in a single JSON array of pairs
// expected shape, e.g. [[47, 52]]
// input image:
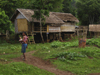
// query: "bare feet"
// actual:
[[24, 59]]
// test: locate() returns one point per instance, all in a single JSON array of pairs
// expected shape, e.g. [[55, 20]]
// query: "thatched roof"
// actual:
[[27, 13], [54, 18], [66, 16]]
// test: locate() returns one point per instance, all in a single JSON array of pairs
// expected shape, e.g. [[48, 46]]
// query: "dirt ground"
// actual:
[[46, 65], [95, 74], [42, 64]]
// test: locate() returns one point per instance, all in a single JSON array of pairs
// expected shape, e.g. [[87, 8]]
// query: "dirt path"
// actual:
[[95, 74], [46, 65]]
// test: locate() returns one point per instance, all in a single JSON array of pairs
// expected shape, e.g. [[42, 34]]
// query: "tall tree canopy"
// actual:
[[88, 11], [5, 23], [69, 6], [9, 6]]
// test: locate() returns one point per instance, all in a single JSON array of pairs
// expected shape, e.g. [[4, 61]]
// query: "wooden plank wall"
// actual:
[[94, 28], [67, 28], [54, 29]]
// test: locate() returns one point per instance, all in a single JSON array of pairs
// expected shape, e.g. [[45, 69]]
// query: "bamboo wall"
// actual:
[[68, 27], [94, 28], [22, 25]]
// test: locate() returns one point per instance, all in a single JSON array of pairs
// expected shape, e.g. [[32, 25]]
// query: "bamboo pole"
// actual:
[[7, 34]]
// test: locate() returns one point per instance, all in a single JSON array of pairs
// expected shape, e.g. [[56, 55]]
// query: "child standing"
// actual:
[[24, 42]]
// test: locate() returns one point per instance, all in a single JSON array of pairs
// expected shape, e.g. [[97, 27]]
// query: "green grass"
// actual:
[[69, 57], [19, 68], [81, 65], [9, 51]]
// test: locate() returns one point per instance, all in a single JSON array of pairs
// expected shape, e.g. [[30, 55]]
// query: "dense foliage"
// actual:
[[5, 23], [69, 6], [9, 6], [88, 11]]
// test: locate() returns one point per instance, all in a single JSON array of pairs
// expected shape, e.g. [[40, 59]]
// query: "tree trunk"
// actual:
[[41, 31], [91, 19]]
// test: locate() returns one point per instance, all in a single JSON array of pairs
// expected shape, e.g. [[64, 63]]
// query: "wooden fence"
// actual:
[[81, 31]]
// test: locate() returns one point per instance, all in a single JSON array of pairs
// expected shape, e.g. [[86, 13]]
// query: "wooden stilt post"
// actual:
[[47, 33], [7, 34], [47, 37], [33, 32], [90, 34], [59, 35], [78, 34], [54, 37], [60, 38]]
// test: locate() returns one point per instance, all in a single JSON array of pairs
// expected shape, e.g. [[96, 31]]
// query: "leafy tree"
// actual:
[[5, 23], [88, 11], [9, 6], [57, 5], [69, 6], [43, 7]]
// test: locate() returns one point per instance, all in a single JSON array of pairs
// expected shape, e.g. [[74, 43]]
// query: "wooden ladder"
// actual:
[[31, 38]]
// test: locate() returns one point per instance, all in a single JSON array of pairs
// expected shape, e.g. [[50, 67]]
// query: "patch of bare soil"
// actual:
[[90, 57], [42, 64], [95, 74]]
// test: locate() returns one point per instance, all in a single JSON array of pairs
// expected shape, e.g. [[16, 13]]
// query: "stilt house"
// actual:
[[68, 28], [55, 25], [94, 30]]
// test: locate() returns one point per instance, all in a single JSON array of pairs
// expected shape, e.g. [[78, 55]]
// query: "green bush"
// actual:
[[90, 52], [45, 48], [69, 56], [70, 44], [56, 44], [93, 41]]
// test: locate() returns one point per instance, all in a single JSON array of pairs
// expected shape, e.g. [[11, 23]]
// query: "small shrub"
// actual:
[[56, 44], [93, 41], [45, 48], [71, 44], [69, 56]]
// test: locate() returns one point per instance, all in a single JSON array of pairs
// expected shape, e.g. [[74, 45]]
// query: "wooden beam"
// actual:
[[39, 31], [47, 37], [7, 34], [47, 28], [60, 38]]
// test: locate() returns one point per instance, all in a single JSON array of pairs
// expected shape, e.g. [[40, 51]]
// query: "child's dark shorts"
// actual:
[[24, 46]]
